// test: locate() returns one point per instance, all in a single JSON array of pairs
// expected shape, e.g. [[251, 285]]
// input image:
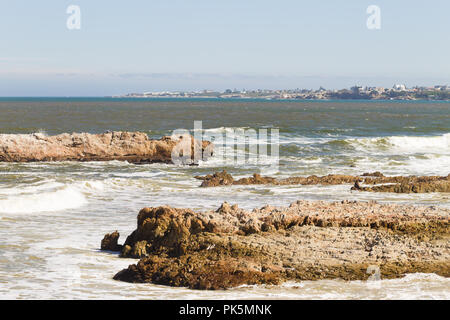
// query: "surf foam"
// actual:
[[60, 199]]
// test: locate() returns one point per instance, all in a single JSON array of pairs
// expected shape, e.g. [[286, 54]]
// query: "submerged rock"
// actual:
[[308, 240], [381, 183], [133, 147], [223, 179], [401, 184]]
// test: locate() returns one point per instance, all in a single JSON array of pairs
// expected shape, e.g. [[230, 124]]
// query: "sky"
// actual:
[[157, 45]]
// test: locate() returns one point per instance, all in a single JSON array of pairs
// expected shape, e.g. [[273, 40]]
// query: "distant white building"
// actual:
[[399, 87]]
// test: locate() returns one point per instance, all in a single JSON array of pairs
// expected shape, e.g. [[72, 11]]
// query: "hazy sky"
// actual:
[[135, 46]]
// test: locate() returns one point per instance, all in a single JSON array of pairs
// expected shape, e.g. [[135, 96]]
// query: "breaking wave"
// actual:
[[67, 197], [47, 196], [400, 144]]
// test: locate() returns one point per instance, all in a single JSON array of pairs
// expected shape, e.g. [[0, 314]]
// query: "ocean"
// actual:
[[54, 215]]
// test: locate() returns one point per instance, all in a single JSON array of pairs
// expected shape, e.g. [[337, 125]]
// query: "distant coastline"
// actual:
[[397, 92], [180, 99]]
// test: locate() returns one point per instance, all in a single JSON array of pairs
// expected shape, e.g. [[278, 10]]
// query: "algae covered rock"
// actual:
[[308, 240], [376, 180]]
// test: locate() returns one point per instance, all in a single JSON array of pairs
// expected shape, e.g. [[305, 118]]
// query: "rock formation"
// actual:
[[134, 147], [401, 184], [110, 242], [223, 179], [377, 181], [305, 241]]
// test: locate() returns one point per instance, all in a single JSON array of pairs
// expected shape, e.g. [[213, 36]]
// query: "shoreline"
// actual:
[[120, 98]]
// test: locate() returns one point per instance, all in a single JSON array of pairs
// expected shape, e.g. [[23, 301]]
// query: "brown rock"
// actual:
[[216, 179], [373, 174], [304, 241], [109, 242], [224, 208], [126, 251], [134, 147], [411, 184], [397, 184], [163, 229], [192, 272], [139, 249], [224, 179]]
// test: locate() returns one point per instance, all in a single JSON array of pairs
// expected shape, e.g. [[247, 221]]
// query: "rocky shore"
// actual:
[[134, 147], [376, 182], [307, 240]]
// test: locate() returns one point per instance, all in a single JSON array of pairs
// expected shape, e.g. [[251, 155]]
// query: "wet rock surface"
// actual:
[[376, 182], [133, 147], [409, 184], [308, 240], [110, 242], [224, 179]]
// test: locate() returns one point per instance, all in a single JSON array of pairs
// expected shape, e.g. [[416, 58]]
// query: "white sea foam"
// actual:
[[426, 164], [138, 174], [311, 160], [91, 185], [48, 201], [49, 195], [404, 144], [41, 186], [430, 164]]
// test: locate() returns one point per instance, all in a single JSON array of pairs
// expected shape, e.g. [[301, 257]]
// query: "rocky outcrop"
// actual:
[[401, 184], [133, 147], [110, 242], [223, 179], [377, 182], [216, 179], [305, 241]]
